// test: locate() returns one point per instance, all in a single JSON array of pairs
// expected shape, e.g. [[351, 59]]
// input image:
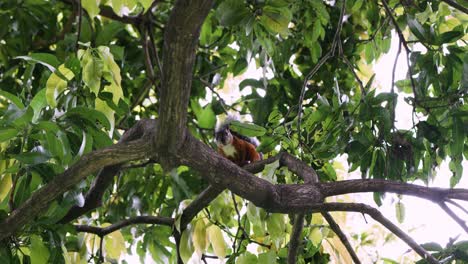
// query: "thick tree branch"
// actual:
[[355, 186], [88, 164], [376, 215], [147, 219], [180, 42], [93, 198], [341, 235]]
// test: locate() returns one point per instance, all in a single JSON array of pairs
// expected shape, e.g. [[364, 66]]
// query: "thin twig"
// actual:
[[459, 206], [322, 61], [148, 62], [100, 255], [11, 200], [103, 231], [393, 84], [295, 240], [377, 215], [351, 68], [154, 50], [402, 42], [454, 216], [80, 17], [341, 235]]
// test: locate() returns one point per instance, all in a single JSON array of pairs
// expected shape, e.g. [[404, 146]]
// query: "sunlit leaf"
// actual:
[[216, 239], [39, 252], [56, 85]]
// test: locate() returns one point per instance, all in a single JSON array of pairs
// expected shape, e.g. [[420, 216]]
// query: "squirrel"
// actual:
[[234, 146]]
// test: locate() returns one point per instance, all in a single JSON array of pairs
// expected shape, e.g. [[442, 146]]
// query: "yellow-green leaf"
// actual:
[[186, 248], [39, 252], [114, 244], [5, 185], [217, 241], [199, 237], [92, 71], [56, 85], [111, 69], [102, 107], [400, 212], [91, 6], [146, 3], [316, 236]]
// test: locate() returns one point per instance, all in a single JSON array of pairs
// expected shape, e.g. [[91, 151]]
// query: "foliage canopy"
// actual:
[[74, 77]]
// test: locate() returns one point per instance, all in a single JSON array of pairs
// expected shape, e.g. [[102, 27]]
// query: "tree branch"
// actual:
[[102, 231], [376, 215], [341, 235], [322, 61], [456, 5], [295, 240], [93, 198], [180, 42], [88, 164], [455, 217]]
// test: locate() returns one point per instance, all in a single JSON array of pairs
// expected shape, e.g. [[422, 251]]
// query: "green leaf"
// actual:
[[56, 85], [417, 29], [25, 118], [267, 257], [186, 247], [38, 103], [432, 246], [357, 5], [32, 158], [276, 225], [111, 72], [207, 118], [114, 244], [248, 130], [458, 137], [275, 20], [54, 145], [105, 109], [404, 86], [86, 145], [239, 67], [92, 71], [449, 37], [199, 237], [46, 59], [39, 252], [247, 258], [250, 82], [12, 98], [8, 133], [215, 236], [232, 12], [316, 236], [400, 211], [89, 114], [457, 170], [92, 7], [267, 144], [108, 32]]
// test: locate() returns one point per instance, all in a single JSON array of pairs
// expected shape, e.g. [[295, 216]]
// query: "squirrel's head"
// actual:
[[223, 136]]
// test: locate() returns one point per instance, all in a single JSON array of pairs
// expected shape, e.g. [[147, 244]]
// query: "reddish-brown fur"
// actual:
[[245, 152]]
